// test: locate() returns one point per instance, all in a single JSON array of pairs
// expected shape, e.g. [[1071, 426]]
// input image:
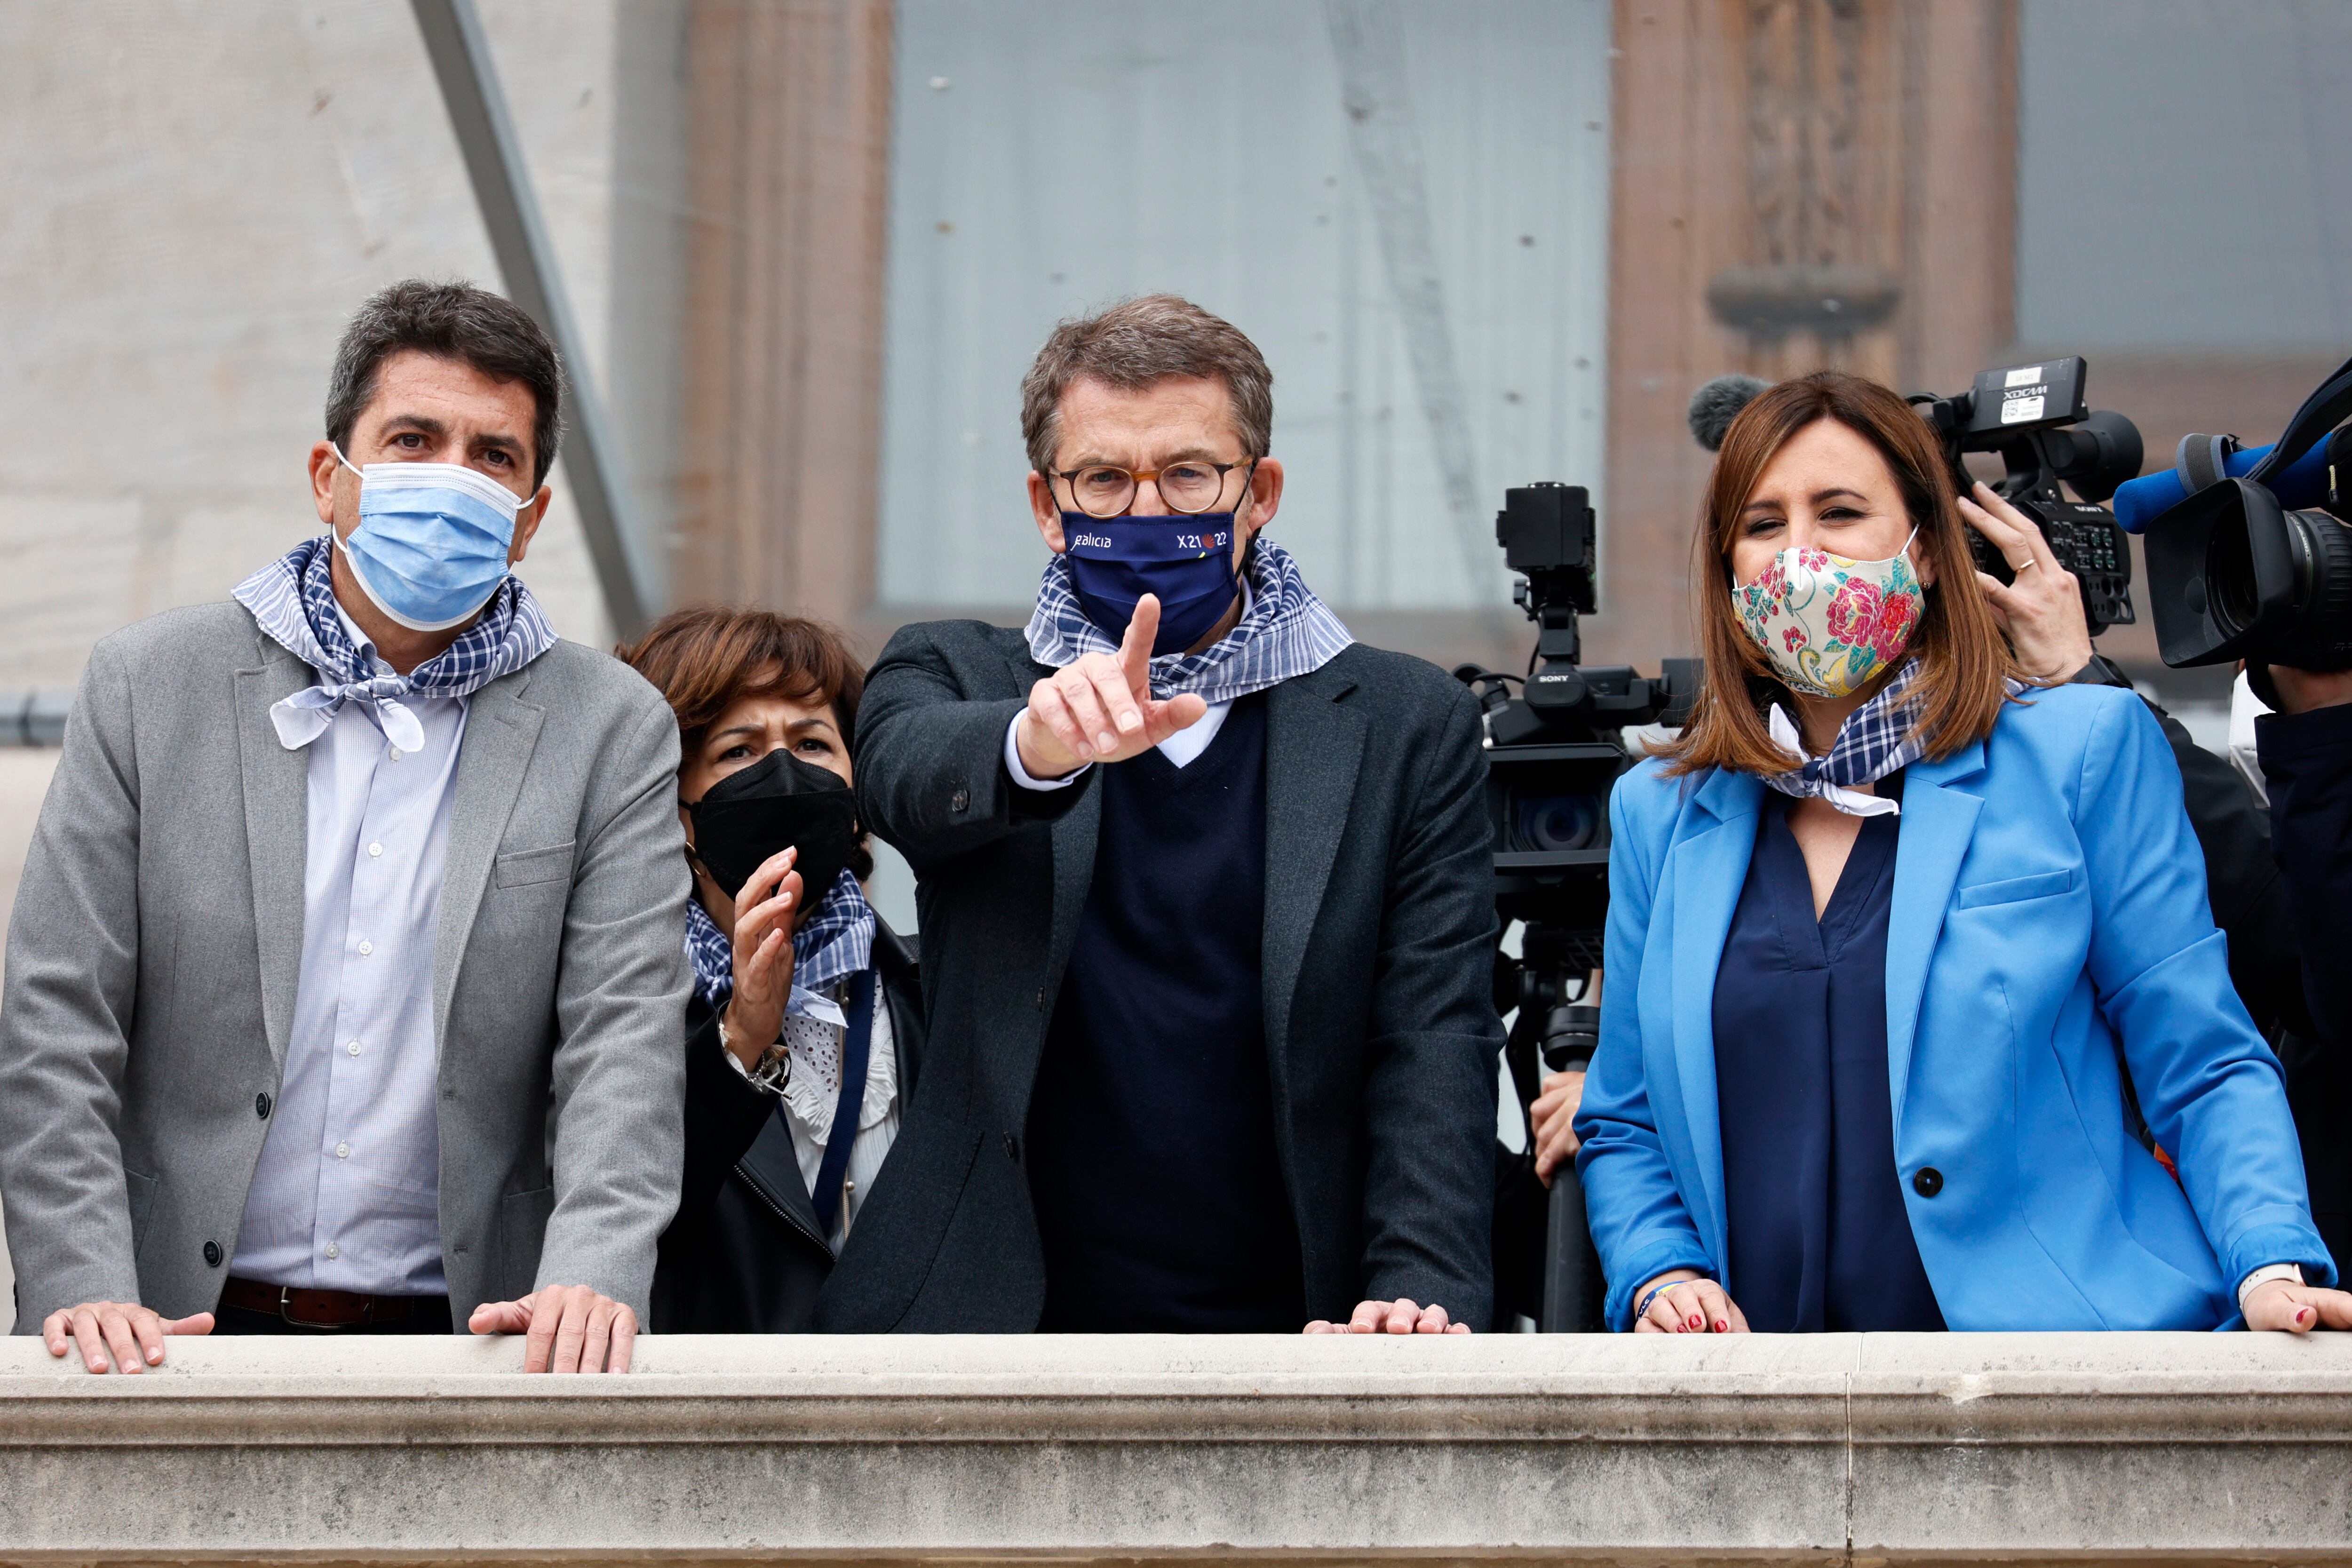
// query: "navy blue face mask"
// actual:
[[1187, 561]]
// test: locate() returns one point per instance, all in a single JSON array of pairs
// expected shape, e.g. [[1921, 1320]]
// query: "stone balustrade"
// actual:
[[1855, 1448]]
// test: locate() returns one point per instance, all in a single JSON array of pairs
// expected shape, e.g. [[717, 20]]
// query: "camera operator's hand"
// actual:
[[1554, 1115], [1101, 710], [2041, 610], [2300, 690]]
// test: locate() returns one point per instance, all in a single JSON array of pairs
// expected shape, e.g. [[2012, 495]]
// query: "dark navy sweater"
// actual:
[[1151, 1153]]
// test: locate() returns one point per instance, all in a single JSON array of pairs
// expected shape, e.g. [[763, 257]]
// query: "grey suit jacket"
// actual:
[[157, 937], [1382, 1035]]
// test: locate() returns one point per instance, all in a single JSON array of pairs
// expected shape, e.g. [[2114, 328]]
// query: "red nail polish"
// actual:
[[1696, 1324], [1721, 1327]]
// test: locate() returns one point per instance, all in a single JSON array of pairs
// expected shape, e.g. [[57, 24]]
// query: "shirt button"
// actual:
[[333, 1251], [354, 1048], [376, 850], [342, 1151], [394, 752], [960, 800], [366, 948], [1929, 1182]]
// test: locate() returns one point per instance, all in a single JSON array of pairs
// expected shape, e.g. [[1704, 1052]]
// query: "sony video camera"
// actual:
[[2034, 417], [1554, 752], [2248, 554]]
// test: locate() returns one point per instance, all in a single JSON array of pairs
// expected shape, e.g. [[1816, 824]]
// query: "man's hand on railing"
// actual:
[[132, 1334], [570, 1327], [1399, 1317]]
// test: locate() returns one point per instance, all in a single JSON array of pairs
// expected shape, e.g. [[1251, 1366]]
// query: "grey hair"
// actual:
[[1136, 343], [453, 320]]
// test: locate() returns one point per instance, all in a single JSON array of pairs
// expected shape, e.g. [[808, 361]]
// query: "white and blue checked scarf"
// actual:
[[831, 944], [293, 599], [1876, 739], [1285, 633]]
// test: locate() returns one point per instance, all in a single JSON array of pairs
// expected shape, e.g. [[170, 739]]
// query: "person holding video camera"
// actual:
[[1894, 937], [2304, 747], [2275, 872]]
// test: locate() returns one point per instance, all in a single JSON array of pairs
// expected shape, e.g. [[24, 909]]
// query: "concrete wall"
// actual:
[[1876, 1449], [196, 196]]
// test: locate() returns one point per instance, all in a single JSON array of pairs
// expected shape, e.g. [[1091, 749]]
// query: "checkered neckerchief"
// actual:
[[836, 942], [1287, 632], [1876, 739], [293, 600]]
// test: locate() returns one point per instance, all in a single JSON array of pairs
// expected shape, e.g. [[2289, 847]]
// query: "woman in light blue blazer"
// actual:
[[1913, 1007]]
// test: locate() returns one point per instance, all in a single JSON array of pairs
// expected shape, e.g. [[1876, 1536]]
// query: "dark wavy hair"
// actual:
[[454, 322]]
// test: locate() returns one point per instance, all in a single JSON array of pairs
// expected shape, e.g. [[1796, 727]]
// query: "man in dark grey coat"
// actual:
[[1207, 924], [344, 978]]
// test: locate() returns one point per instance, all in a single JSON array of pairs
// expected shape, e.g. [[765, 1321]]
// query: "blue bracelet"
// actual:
[[1642, 1310]]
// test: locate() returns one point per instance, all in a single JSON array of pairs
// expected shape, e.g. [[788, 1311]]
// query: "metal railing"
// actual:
[[33, 717]]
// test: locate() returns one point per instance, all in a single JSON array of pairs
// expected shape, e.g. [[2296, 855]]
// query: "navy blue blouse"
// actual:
[[1817, 1236]]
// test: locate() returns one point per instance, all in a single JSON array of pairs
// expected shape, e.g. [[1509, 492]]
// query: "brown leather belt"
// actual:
[[322, 1309]]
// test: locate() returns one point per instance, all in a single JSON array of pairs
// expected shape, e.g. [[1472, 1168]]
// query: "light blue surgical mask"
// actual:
[[433, 541]]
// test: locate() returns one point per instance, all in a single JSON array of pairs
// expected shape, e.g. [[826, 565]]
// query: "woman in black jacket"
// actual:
[[804, 1029]]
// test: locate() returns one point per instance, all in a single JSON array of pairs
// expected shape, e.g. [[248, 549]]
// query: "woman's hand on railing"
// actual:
[[2284, 1306], [1683, 1302], [763, 940]]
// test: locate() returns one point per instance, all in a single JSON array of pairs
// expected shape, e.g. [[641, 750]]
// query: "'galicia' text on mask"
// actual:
[[1186, 560]]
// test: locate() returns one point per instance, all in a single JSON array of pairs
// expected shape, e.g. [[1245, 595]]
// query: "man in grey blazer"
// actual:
[[1207, 914], [344, 977]]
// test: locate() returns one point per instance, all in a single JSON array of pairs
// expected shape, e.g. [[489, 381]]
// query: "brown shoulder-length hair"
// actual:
[[1963, 657], [705, 661]]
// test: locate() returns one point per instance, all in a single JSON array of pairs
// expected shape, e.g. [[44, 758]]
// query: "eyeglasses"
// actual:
[[1189, 487]]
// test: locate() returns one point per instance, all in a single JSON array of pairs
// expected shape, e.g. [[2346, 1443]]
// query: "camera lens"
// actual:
[[1553, 821], [2229, 595]]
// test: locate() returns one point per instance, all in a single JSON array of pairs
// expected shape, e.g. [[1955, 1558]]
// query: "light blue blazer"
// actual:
[[2049, 920]]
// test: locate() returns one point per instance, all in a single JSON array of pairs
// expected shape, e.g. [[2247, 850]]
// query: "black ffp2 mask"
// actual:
[[779, 801]]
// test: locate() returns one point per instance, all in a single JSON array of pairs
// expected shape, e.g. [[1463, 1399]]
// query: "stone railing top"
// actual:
[[1144, 1365], [2122, 1446]]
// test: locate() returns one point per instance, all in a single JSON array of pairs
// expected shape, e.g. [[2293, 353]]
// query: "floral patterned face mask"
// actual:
[[1829, 625]]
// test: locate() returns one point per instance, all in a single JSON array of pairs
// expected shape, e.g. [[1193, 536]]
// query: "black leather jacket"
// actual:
[[743, 1255]]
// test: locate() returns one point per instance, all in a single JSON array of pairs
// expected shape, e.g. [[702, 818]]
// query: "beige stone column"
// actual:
[[789, 153], [1798, 183]]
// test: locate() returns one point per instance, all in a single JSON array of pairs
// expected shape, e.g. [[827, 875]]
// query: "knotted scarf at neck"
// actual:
[[293, 600], [1286, 632], [1878, 738]]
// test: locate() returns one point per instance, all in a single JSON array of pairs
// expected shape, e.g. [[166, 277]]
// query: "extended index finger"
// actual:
[[1135, 649]]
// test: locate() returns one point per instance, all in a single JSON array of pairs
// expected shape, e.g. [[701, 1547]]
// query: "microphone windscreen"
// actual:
[[1713, 406], [2302, 483]]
